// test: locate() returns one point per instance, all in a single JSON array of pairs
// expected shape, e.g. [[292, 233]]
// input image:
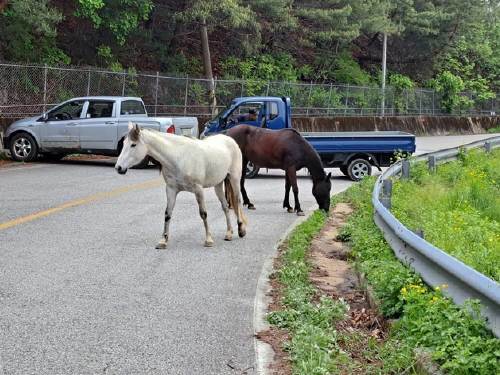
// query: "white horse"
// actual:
[[189, 164]]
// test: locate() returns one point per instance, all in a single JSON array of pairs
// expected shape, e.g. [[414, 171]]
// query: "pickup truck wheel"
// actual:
[[251, 170], [358, 169], [23, 147]]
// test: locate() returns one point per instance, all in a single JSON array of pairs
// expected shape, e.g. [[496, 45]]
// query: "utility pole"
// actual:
[[384, 67], [207, 63]]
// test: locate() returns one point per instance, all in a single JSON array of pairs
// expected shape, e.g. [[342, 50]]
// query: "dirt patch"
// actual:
[[334, 276], [88, 157], [5, 163]]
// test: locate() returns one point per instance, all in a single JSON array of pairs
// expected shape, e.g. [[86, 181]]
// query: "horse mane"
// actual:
[[312, 160]]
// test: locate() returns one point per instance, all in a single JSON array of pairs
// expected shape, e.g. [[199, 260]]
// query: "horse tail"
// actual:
[[232, 194]]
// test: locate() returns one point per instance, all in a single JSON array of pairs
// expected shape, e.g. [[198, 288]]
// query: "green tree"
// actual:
[[28, 32], [119, 17]]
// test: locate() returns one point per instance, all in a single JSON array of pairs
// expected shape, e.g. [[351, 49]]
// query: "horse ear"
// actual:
[[328, 176], [134, 132], [130, 126]]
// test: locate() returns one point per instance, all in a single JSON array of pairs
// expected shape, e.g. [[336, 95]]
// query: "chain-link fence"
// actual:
[[29, 90]]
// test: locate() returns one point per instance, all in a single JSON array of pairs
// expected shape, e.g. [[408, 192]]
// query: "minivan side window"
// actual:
[[100, 108], [132, 107]]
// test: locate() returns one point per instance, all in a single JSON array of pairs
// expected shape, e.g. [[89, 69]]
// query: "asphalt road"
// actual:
[[82, 289]]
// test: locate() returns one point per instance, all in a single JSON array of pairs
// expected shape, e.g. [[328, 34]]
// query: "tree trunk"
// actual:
[[207, 64]]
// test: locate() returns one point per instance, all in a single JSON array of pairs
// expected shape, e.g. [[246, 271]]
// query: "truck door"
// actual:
[[98, 128], [60, 130], [273, 119], [248, 113]]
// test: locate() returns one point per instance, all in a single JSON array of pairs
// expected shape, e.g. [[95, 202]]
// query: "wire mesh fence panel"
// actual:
[[171, 98], [21, 91], [29, 90], [65, 84], [226, 91]]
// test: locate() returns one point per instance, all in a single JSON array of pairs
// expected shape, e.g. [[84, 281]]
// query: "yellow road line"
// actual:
[[81, 201]]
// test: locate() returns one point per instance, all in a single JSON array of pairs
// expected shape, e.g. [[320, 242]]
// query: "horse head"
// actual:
[[134, 150], [321, 192]]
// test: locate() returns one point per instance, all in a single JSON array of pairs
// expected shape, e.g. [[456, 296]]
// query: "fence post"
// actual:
[[386, 194], [329, 99], [156, 91], [186, 96], [309, 98], [432, 163], [45, 88], [267, 89], [487, 146], [420, 94], [88, 83], [346, 101], [433, 105], [405, 169], [123, 85]]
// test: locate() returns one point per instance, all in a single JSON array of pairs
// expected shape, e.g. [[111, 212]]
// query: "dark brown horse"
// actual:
[[282, 149]]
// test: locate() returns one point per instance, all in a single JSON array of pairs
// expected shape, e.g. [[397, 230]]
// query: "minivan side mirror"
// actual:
[[45, 116]]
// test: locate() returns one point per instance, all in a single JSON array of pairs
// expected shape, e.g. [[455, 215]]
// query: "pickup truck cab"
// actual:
[[93, 125], [354, 153]]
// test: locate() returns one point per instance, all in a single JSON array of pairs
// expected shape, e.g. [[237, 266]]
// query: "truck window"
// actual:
[[273, 110], [132, 107], [99, 109], [68, 111]]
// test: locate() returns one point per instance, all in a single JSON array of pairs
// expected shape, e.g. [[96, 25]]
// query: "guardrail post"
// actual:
[[386, 194], [420, 233], [487, 146], [405, 169], [432, 163], [156, 91]]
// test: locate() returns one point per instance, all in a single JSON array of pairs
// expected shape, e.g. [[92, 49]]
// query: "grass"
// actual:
[[456, 337], [494, 130], [458, 208]]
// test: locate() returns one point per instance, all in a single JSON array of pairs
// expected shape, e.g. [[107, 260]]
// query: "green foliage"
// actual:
[[120, 17], [456, 335], [458, 208], [450, 86], [401, 85], [313, 347], [28, 31]]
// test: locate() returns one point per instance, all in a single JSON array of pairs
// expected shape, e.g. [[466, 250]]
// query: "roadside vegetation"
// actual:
[[455, 336], [458, 208]]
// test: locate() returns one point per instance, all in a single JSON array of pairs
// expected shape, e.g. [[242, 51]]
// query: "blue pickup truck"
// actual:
[[354, 153]]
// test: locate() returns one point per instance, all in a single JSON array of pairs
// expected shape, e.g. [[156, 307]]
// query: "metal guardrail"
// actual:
[[434, 265]]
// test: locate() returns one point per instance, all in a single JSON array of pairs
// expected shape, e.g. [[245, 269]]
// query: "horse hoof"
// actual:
[[290, 210], [251, 206], [228, 237], [161, 246], [300, 213], [209, 243]]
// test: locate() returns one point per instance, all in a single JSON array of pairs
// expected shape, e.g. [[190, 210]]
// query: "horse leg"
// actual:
[[246, 201], [292, 175], [219, 191], [203, 214], [171, 198], [238, 209], [286, 201]]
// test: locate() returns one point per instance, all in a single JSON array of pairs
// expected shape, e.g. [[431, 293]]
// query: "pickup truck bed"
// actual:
[[335, 148]]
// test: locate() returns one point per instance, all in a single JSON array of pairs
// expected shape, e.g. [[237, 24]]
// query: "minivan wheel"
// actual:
[[358, 169], [23, 147]]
